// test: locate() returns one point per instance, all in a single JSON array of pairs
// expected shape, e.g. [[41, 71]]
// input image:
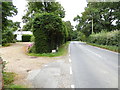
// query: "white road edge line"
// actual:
[[45, 65], [70, 70], [94, 53], [72, 86], [69, 48], [69, 60], [104, 49]]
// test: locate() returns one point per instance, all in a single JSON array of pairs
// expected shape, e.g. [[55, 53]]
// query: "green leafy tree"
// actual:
[[102, 14], [8, 10], [41, 7], [69, 28]]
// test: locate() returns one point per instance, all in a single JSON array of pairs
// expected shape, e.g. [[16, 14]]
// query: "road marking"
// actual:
[[69, 60], [72, 86], [45, 65], [94, 53], [69, 48], [103, 49], [70, 70]]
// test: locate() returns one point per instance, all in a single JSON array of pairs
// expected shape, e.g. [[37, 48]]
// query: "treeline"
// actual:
[[99, 22], [44, 19]]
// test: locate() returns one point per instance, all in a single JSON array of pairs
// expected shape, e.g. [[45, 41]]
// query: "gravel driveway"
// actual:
[[20, 63]]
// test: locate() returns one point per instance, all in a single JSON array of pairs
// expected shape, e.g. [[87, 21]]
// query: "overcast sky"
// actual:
[[72, 8]]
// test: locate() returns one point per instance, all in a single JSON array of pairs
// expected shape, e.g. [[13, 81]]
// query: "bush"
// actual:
[[7, 37], [105, 38], [32, 38], [49, 32], [26, 38]]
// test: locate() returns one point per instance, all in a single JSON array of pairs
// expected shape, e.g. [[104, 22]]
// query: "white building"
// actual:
[[19, 34]]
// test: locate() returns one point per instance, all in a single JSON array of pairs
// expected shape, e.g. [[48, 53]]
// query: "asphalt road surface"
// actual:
[[93, 67]]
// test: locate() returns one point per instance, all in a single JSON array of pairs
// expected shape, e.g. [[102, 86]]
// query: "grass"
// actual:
[[6, 45], [8, 78], [61, 51], [112, 48]]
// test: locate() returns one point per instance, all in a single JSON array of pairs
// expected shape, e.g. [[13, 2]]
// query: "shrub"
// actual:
[[26, 38], [105, 38], [7, 37]]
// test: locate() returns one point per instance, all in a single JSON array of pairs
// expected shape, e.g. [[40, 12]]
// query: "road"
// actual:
[[93, 67]]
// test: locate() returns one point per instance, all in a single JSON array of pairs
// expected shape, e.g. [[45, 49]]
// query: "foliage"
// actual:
[[8, 77], [7, 37], [27, 26], [63, 49], [105, 15], [8, 10], [32, 38], [26, 38], [105, 38], [16, 87], [15, 26], [69, 28], [74, 35], [41, 7], [49, 32], [81, 36]]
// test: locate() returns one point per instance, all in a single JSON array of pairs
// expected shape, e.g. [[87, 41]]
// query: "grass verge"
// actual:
[[112, 48], [61, 51]]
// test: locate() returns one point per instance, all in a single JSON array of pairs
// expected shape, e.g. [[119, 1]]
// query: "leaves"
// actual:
[[103, 15], [41, 7], [8, 10]]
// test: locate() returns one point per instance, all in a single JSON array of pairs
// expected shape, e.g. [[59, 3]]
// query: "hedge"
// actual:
[[49, 32], [26, 38], [105, 38]]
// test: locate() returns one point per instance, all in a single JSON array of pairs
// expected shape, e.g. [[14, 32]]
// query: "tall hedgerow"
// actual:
[[49, 32], [105, 38]]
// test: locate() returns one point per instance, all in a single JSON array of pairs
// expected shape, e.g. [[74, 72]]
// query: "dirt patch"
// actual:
[[20, 63]]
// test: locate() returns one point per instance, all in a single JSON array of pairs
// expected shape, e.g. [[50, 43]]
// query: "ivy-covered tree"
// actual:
[[8, 10]]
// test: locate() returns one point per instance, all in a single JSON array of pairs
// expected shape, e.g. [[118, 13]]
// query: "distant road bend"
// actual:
[[93, 67]]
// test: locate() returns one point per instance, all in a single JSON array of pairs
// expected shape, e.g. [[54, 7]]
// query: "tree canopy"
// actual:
[[69, 28], [8, 10], [105, 16], [41, 7]]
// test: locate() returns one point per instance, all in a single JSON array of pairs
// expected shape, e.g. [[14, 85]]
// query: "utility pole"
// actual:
[[92, 25]]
